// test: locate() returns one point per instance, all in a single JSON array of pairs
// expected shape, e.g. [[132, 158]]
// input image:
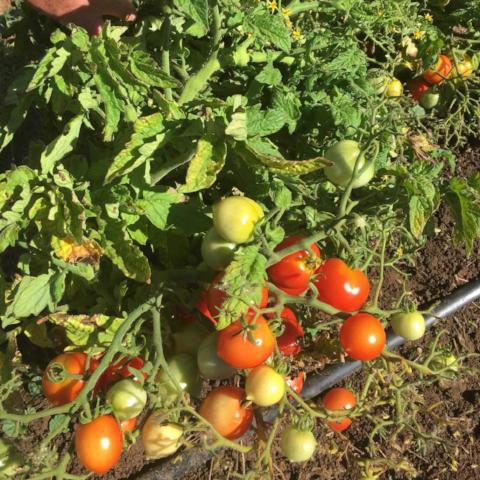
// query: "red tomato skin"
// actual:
[[296, 383], [216, 297], [128, 425], [236, 349], [342, 288], [68, 390], [184, 315], [418, 87], [440, 71], [288, 342], [292, 273], [339, 399], [99, 444], [362, 336], [202, 307], [118, 369], [223, 408]]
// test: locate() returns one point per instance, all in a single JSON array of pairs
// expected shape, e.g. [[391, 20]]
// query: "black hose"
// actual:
[[316, 384], [332, 375]]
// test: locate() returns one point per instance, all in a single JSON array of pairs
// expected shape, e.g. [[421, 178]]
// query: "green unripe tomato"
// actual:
[[297, 445], [209, 363], [189, 338], [217, 253], [343, 155], [184, 369], [409, 325], [429, 100], [127, 399], [235, 218]]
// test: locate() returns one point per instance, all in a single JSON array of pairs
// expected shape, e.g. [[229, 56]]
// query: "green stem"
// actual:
[[165, 33], [197, 82], [92, 381]]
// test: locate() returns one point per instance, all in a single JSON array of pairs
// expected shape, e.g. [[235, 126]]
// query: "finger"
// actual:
[[122, 9], [92, 24]]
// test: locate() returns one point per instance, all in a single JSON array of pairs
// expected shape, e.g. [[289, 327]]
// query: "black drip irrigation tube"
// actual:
[[187, 461]]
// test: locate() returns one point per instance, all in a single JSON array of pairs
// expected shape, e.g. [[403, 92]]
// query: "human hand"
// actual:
[[85, 13]]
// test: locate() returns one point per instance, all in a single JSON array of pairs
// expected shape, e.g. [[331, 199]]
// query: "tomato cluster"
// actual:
[[98, 443]]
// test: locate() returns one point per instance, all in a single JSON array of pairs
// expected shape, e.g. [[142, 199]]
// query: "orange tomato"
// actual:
[[224, 410]]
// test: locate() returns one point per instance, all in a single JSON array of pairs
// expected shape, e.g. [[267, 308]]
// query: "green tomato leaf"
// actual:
[[148, 135], [62, 145], [156, 206], [208, 161], [145, 69], [32, 296], [124, 254], [197, 10], [243, 282], [464, 204], [269, 28]]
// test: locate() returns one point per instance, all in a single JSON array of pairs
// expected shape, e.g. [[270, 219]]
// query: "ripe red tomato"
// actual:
[[339, 286], [99, 444], [289, 341], [339, 399], [235, 348], [216, 297], [128, 425], [440, 71], [293, 272], [202, 307], [362, 336], [296, 382], [118, 369], [418, 87], [223, 408], [68, 389]]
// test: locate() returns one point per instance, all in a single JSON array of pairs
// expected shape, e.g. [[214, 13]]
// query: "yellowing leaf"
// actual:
[[72, 252], [208, 161]]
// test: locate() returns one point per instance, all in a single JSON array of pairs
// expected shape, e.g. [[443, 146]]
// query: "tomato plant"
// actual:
[[63, 378], [98, 444], [223, 408], [293, 272], [342, 288], [245, 346], [297, 445], [339, 399], [200, 141], [363, 337]]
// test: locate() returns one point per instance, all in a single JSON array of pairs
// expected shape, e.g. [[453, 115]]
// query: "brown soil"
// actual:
[[439, 269]]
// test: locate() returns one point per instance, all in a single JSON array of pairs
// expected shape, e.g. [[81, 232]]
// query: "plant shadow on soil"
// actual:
[[440, 268]]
